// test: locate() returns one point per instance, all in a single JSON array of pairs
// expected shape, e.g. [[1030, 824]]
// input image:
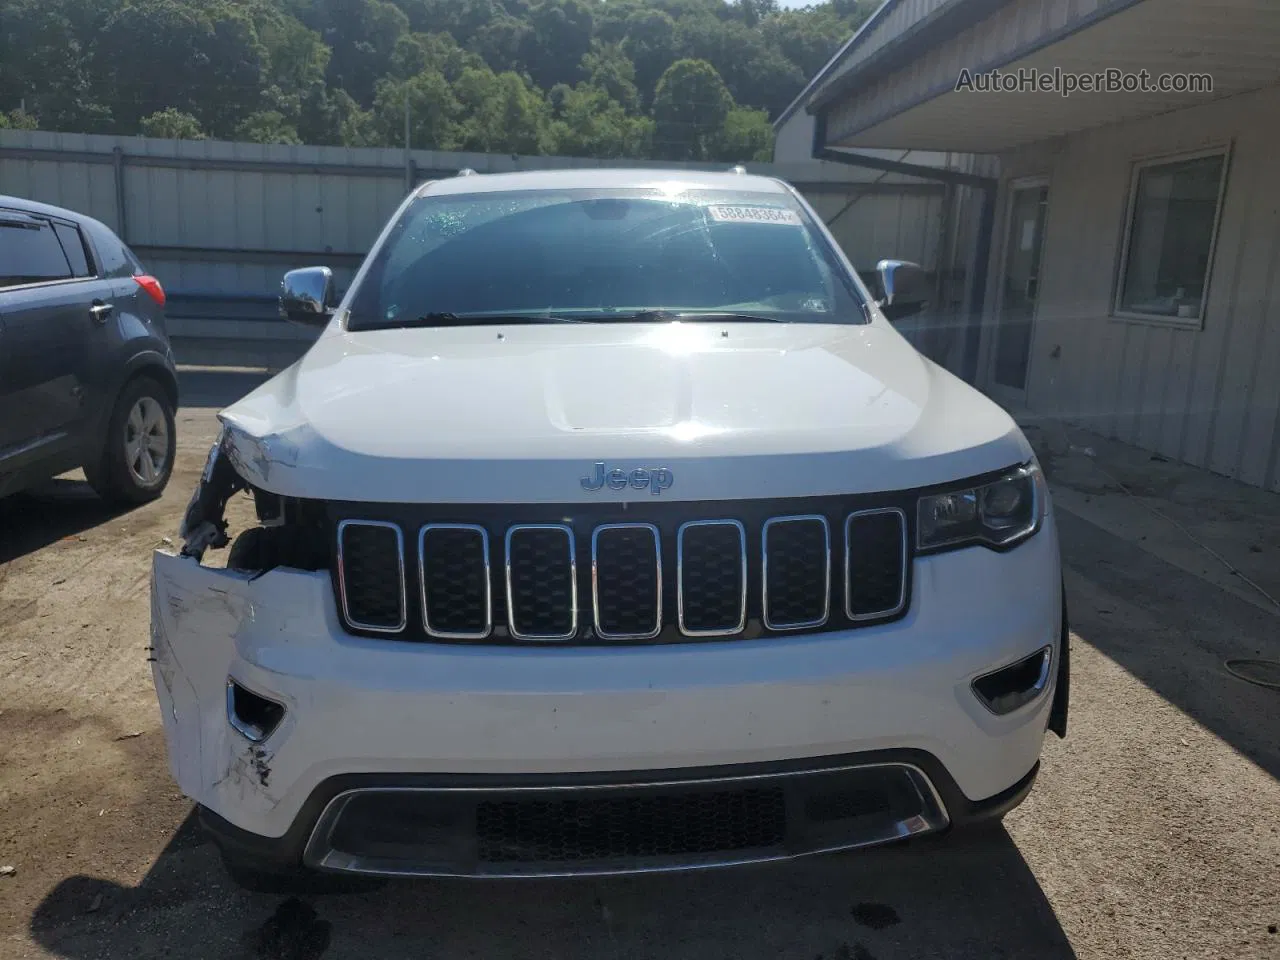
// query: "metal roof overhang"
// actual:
[[906, 97]]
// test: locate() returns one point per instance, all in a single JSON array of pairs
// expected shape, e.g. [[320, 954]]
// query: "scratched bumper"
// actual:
[[370, 706]]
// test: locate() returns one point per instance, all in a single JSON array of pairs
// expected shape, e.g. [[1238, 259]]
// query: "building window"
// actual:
[[1173, 218]]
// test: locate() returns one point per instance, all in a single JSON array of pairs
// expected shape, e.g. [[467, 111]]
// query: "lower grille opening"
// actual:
[[594, 828], [1016, 685], [550, 831]]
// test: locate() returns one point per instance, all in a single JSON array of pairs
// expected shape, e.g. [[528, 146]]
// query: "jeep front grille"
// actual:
[[712, 578], [542, 583], [371, 558], [570, 574], [797, 572], [454, 578]]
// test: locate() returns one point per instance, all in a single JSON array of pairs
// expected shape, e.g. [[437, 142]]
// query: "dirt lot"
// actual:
[[1154, 831]]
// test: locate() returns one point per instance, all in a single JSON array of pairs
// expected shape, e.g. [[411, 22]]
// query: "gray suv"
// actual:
[[87, 376]]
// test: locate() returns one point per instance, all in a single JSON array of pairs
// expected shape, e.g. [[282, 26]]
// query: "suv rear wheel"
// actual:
[[141, 443]]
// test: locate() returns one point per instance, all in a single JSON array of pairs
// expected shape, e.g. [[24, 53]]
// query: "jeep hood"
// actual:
[[522, 413]]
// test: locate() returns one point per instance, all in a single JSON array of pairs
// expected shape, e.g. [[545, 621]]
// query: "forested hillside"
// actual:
[[668, 79]]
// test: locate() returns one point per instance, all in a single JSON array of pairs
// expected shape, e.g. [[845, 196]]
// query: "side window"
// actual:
[[116, 259], [1174, 207], [73, 247], [30, 253]]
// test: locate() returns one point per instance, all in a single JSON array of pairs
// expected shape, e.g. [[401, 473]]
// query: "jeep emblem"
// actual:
[[654, 479]]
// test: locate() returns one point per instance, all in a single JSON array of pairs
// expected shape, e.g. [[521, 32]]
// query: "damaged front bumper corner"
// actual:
[[207, 626]]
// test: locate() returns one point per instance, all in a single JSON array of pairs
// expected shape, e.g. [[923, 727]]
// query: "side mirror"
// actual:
[[905, 286], [307, 296]]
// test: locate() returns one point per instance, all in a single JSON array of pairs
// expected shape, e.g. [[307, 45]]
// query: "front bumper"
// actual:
[[359, 707]]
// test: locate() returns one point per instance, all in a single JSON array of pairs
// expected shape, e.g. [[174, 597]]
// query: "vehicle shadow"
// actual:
[[974, 898], [57, 509], [1173, 631]]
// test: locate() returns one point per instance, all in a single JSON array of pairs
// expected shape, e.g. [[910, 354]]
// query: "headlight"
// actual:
[[999, 513]]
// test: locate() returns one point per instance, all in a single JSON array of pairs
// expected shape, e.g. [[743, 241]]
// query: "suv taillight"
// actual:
[[152, 286]]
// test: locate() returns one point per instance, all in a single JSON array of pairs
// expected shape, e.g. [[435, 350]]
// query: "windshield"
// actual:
[[597, 255]]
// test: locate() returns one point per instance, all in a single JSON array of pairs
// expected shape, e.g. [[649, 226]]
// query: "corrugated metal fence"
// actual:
[[219, 222]]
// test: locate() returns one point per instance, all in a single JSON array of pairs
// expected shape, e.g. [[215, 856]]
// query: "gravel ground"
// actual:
[[1152, 833]]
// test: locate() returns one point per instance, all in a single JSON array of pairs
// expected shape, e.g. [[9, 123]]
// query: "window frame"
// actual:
[[843, 273], [53, 223], [90, 265], [1118, 312]]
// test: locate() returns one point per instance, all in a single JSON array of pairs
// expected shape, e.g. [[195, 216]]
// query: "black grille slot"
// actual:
[[797, 572], [371, 575], [875, 563], [712, 577], [627, 580], [585, 827], [454, 571], [542, 590]]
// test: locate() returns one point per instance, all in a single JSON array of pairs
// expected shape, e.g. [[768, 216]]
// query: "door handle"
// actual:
[[100, 311]]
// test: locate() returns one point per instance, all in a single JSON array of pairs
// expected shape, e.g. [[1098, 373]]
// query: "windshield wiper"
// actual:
[[710, 316], [445, 319], [667, 316]]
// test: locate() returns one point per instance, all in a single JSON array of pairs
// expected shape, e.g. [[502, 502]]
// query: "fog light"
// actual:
[[1005, 690], [253, 716]]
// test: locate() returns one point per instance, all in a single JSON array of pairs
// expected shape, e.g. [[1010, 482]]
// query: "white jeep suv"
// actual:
[[608, 526]]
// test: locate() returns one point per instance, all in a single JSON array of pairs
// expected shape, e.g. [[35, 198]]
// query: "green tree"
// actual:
[[807, 38], [610, 69], [171, 124], [46, 62], [296, 61], [501, 113], [560, 37], [433, 112], [416, 52], [18, 120], [650, 42], [267, 126], [504, 41], [589, 123], [363, 36], [752, 12], [755, 72], [689, 108], [746, 134], [203, 60], [476, 71], [355, 127]]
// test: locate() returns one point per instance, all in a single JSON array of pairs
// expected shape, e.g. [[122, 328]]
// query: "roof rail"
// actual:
[[738, 169], [466, 172]]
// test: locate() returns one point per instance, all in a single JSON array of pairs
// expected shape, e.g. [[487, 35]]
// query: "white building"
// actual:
[[1125, 252]]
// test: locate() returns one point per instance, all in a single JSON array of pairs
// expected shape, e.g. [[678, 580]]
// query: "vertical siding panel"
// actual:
[[1262, 449], [1244, 176], [1259, 430], [278, 200], [1155, 380], [1099, 181], [1118, 398], [1174, 411], [1065, 277], [1007, 26], [1084, 321], [1240, 358], [1059, 13]]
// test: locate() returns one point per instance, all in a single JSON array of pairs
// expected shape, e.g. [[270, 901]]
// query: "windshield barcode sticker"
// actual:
[[734, 214]]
